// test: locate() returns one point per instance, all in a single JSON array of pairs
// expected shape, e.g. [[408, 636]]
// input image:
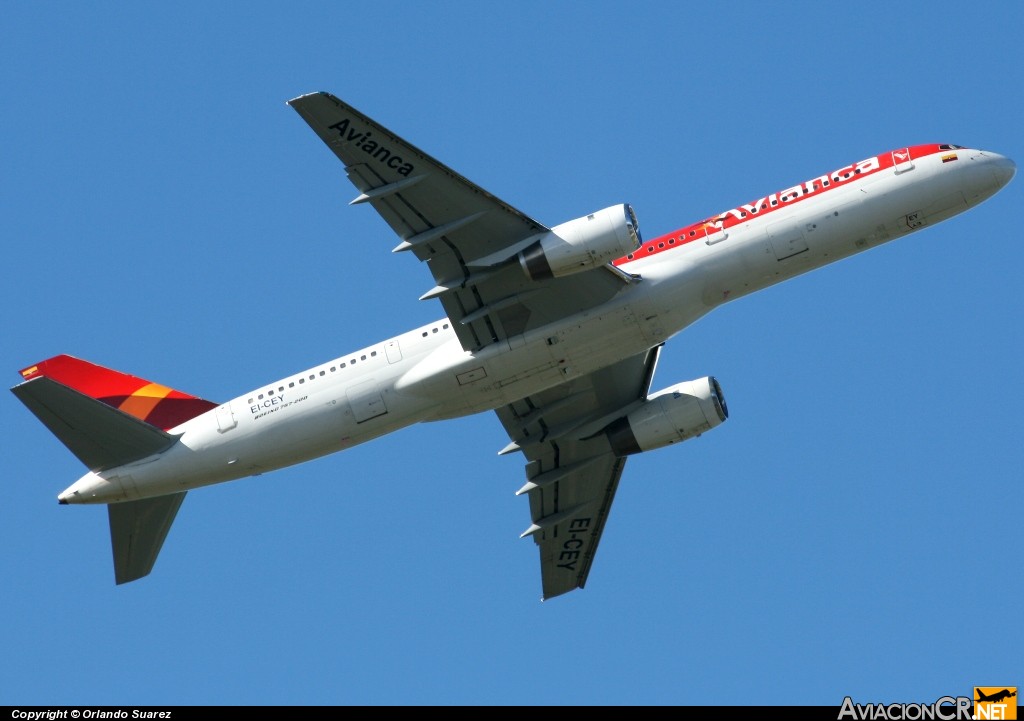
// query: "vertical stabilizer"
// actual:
[[109, 419], [153, 403], [137, 533]]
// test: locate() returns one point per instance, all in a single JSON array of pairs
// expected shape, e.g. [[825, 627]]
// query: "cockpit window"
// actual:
[[951, 147]]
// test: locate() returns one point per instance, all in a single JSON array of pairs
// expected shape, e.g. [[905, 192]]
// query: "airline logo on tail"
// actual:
[[153, 403]]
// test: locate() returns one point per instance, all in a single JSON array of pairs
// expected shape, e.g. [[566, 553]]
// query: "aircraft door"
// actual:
[[366, 401], [714, 234], [393, 351], [225, 418], [901, 160]]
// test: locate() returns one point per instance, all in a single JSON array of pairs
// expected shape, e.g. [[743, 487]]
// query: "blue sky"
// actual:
[[852, 530]]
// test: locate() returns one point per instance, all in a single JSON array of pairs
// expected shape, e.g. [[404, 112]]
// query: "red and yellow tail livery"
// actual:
[[153, 403]]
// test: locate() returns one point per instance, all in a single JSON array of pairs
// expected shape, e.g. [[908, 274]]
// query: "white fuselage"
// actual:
[[425, 374]]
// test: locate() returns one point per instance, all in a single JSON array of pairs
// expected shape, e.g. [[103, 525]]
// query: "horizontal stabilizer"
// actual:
[[99, 435], [137, 533]]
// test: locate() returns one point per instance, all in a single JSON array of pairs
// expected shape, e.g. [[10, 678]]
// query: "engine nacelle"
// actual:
[[675, 414], [582, 244]]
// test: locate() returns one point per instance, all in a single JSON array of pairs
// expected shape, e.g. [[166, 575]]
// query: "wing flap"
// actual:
[[137, 533]]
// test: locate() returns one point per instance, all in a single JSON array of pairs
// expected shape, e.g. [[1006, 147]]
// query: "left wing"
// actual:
[[468, 237], [572, 473]]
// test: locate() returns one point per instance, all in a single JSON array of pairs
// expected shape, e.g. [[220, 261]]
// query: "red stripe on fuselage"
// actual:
[[782, 199]]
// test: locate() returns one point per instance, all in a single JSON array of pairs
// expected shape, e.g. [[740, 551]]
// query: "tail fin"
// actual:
[[153, 403], [107, 419], [137, 533]]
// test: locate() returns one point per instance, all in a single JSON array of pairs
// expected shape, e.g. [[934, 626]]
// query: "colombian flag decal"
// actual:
[[948, 158]]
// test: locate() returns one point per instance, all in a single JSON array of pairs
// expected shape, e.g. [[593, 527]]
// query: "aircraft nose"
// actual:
[[1003, 167], [986, 174]]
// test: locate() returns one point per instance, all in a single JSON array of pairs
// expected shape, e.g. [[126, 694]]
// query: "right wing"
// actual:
[[572, 473], [467, 237]]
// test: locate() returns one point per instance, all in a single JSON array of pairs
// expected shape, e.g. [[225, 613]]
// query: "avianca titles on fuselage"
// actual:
[[565, 357], [901, 159]]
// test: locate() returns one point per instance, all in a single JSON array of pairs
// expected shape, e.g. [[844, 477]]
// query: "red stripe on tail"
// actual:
[[153, 403]]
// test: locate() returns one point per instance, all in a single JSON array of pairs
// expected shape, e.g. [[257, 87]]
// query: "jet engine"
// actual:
[[675, 414], [583, 243]]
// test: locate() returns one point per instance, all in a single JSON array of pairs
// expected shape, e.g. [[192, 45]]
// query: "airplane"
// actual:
[[995, 697], [557, 330]]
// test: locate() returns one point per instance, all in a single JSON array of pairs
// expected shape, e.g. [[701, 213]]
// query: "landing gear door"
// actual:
[[365, 401]]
